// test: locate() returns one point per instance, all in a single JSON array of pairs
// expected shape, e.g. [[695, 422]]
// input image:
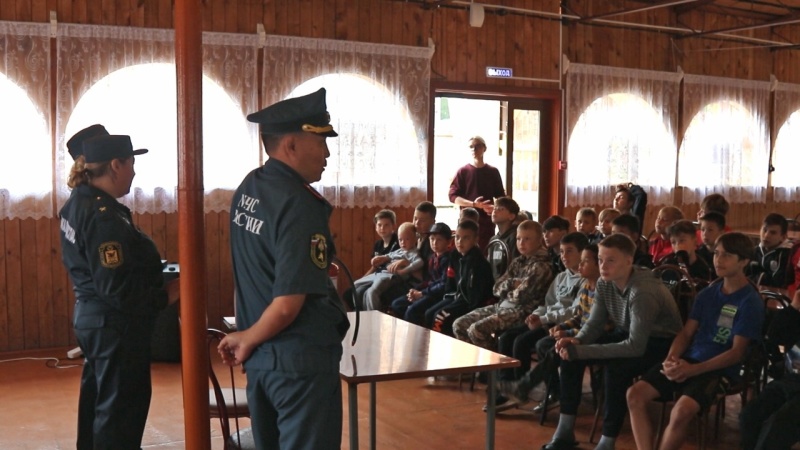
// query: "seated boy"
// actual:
[[659, 246], [682, 240], [628, 225], [707, 353], [424, 217], [398, 265], [546, 369], [606, 218], [518, 342], [469, 281], [521, 289], [771, 257], [387, 239], [712, 225], [772, 419], [713, 203], [645, 320], [504, 216], [413, 305], [586, 223], [469, 213], [555, 228]]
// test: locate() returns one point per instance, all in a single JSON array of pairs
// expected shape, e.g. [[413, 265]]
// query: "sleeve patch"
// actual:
[[111, 254], [319, 251]]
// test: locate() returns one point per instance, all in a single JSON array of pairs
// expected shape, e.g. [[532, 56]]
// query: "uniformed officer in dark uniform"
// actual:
[[116, 272], [290, 328]]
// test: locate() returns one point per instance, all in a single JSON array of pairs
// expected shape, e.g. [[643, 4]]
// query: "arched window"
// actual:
[[377, 147], [723, 151], [26, 171], [786, 160], [140, 101], [26, 181], [619, 138]]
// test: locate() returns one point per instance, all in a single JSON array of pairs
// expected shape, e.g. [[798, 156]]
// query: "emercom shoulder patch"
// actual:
[[111, 254], [319, 251]]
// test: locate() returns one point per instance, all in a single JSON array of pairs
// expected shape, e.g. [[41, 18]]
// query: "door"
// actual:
[[514, 132]]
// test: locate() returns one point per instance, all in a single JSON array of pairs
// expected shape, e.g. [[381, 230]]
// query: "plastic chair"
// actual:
[[227, 403]]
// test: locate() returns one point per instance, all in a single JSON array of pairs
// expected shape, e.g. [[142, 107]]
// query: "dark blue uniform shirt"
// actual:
[[113, 265], [281, 245]]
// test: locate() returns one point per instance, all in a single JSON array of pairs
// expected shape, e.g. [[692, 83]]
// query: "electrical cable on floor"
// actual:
[[50, 362]]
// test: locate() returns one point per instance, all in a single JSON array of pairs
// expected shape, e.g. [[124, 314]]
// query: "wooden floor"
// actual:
[[39, 407]]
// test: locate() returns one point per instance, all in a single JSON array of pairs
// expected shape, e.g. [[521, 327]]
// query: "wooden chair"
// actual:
[[227, 403], [681, 285]]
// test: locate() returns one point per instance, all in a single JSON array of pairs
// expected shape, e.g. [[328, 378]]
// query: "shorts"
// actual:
[[703, 388]]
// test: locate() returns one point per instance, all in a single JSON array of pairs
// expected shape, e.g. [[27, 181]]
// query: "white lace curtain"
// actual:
[[378, 101], [621, 128], [725, 148], [124, 78], [786, 153], [88, 54], [26, 182]]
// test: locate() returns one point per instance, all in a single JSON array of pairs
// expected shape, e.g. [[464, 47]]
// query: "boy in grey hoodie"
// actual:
[[646, 320]]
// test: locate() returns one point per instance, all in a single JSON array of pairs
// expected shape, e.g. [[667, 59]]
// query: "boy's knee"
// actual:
[[638, 395], [684, 410]]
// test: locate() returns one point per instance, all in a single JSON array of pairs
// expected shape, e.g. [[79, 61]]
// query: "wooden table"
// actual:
[[392, 349]]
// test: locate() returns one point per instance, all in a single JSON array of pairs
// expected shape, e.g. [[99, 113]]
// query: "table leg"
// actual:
[[490, 410], [352, 405], [372, 424]]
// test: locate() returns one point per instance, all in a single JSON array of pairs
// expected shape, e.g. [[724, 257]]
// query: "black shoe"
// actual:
[[560, 444], [552, 402]]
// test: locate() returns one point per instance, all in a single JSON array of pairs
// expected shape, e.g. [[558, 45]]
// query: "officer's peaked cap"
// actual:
[[75, 143], [307, 113], [106, 148]]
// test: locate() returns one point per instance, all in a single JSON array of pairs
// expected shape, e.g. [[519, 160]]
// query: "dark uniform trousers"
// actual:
[[115, 385], [293, 398]]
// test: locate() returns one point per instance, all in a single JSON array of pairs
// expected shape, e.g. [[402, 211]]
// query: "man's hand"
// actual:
[[485, 205], [235, 348]]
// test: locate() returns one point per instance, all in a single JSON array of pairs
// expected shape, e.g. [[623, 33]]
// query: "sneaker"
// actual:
[[502, 403], [517, 389]]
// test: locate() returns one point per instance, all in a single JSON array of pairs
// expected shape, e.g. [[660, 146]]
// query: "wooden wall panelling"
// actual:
[[28, 264], [39, 11], [4, 289], [61, 290], [44, 282]]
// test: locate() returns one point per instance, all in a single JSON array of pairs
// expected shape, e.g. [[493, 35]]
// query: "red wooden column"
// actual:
[[191, 236]]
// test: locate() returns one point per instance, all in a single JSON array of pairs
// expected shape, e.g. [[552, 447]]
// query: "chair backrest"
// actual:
[[681, 285], [498, 255], [213, 337]]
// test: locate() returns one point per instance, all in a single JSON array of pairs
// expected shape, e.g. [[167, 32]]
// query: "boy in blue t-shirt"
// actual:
[[726, 317]]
